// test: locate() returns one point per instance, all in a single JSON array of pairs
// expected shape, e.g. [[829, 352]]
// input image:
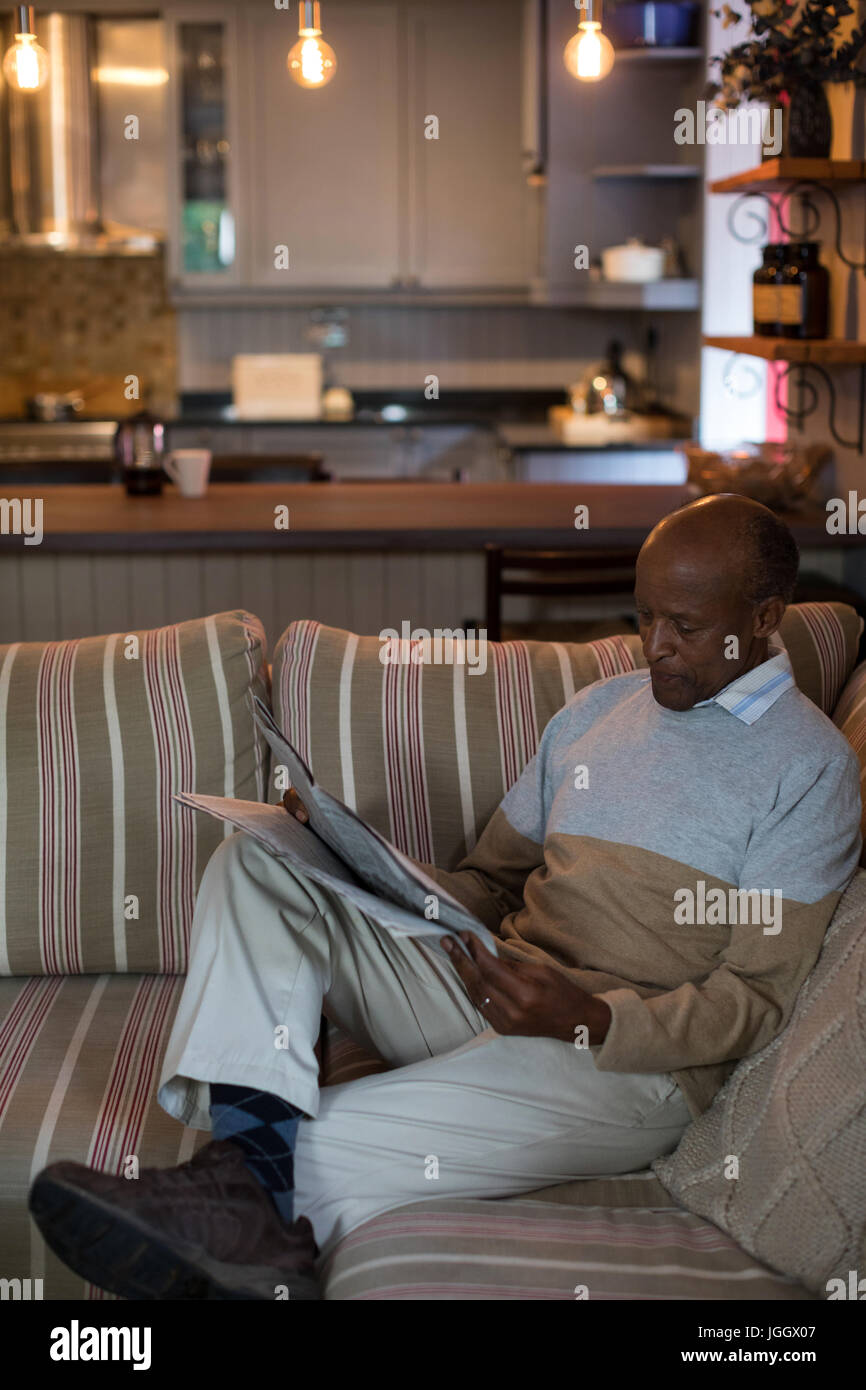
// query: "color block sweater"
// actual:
[[618, 853]]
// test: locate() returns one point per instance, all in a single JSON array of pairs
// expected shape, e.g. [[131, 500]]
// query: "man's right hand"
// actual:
[[295, 806]]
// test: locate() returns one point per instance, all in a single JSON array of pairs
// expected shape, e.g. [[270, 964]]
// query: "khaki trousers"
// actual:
[[465, 1112]]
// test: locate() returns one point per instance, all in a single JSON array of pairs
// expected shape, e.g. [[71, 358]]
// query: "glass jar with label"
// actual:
[[766, 283], [804, 293]]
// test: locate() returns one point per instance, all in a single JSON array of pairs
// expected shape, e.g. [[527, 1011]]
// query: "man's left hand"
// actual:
[[527, 997]]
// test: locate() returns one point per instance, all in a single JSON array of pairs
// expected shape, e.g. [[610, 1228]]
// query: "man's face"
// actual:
[[689, 607]]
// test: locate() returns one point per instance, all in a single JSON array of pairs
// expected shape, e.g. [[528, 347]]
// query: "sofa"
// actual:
[[98, 873]]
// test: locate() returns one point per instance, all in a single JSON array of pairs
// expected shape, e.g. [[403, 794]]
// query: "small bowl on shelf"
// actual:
[[633, 263]]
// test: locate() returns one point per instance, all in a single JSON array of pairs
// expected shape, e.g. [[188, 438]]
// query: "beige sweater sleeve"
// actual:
[[490, 880]]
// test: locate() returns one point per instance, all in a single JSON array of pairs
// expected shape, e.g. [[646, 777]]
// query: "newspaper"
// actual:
[[339, 850]]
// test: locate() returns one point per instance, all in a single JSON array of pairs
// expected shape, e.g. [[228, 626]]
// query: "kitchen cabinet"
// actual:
[[468, 212], [325, 165], [203, 133], [341, 189]]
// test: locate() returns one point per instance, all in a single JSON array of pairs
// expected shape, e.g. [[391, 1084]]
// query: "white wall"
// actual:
[[733, 393]]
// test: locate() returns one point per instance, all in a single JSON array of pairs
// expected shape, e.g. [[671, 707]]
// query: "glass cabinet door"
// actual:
[[205, 237]]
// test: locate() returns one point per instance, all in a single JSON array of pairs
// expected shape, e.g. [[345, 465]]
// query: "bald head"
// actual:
[[741, 543], [713, 581]]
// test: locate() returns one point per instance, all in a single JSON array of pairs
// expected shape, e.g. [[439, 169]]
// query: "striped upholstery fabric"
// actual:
[[850, 716], [527, 1250], [98, 866], [80, 1057], [427, 752], [343, 1059], [822, 641]]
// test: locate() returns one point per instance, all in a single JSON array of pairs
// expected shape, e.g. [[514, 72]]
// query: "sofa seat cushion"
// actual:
[[80, 1058], [529, 1249], [426, 751], [99, 867]]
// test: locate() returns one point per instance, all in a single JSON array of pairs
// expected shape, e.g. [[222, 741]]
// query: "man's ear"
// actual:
[[768, 616]]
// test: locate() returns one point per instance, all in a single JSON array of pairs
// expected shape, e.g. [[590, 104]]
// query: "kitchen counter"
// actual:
[[541, 438], [384, 516], [484, 409]]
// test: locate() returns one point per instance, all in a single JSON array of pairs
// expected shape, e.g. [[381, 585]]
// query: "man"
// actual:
[[659, 878]]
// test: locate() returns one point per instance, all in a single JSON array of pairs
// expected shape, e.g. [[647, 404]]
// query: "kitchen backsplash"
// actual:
[[69, 322], [72, 322], [473, 347]]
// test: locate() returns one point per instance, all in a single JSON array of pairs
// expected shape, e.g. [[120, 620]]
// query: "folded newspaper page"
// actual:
[[341, 851], [379, 865]]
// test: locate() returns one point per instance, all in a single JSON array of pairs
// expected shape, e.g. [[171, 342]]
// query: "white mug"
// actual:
[[190, 470]]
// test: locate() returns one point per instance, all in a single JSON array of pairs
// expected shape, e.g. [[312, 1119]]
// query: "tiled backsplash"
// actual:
[[88, 322]]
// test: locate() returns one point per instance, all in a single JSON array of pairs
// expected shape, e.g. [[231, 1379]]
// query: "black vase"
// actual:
[[809, 130]]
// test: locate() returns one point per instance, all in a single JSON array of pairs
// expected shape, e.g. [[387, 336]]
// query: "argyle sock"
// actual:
[[265, 1128]]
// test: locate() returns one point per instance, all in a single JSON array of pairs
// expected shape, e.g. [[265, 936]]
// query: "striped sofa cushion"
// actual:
[[526, 1249], [822, 640], [80, 1059], [98, 866], [427, 752]]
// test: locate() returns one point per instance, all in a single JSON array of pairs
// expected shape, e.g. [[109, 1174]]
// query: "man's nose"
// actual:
[[658, 642]]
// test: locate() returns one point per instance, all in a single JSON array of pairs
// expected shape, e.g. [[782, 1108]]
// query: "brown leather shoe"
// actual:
[[204, 1230]]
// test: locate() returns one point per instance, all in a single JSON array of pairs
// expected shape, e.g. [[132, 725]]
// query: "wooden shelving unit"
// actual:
[[773, 173], [802, 362], [806, 360], [827, 351]]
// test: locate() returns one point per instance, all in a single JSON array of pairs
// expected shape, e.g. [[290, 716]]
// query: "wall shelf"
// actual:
[[658, 55], [646, 171], [799, 364], [606, 294], [836, 351], [773, 173]]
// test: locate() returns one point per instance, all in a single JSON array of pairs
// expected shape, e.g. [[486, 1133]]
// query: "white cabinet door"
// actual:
[[324, 164], [469, 206]]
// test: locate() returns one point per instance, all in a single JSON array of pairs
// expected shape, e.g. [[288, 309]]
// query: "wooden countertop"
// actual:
[[363, 516]]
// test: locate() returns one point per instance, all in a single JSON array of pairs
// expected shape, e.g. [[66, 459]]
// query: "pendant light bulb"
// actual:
[[311, 62], [589, 54], [25, 66]]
